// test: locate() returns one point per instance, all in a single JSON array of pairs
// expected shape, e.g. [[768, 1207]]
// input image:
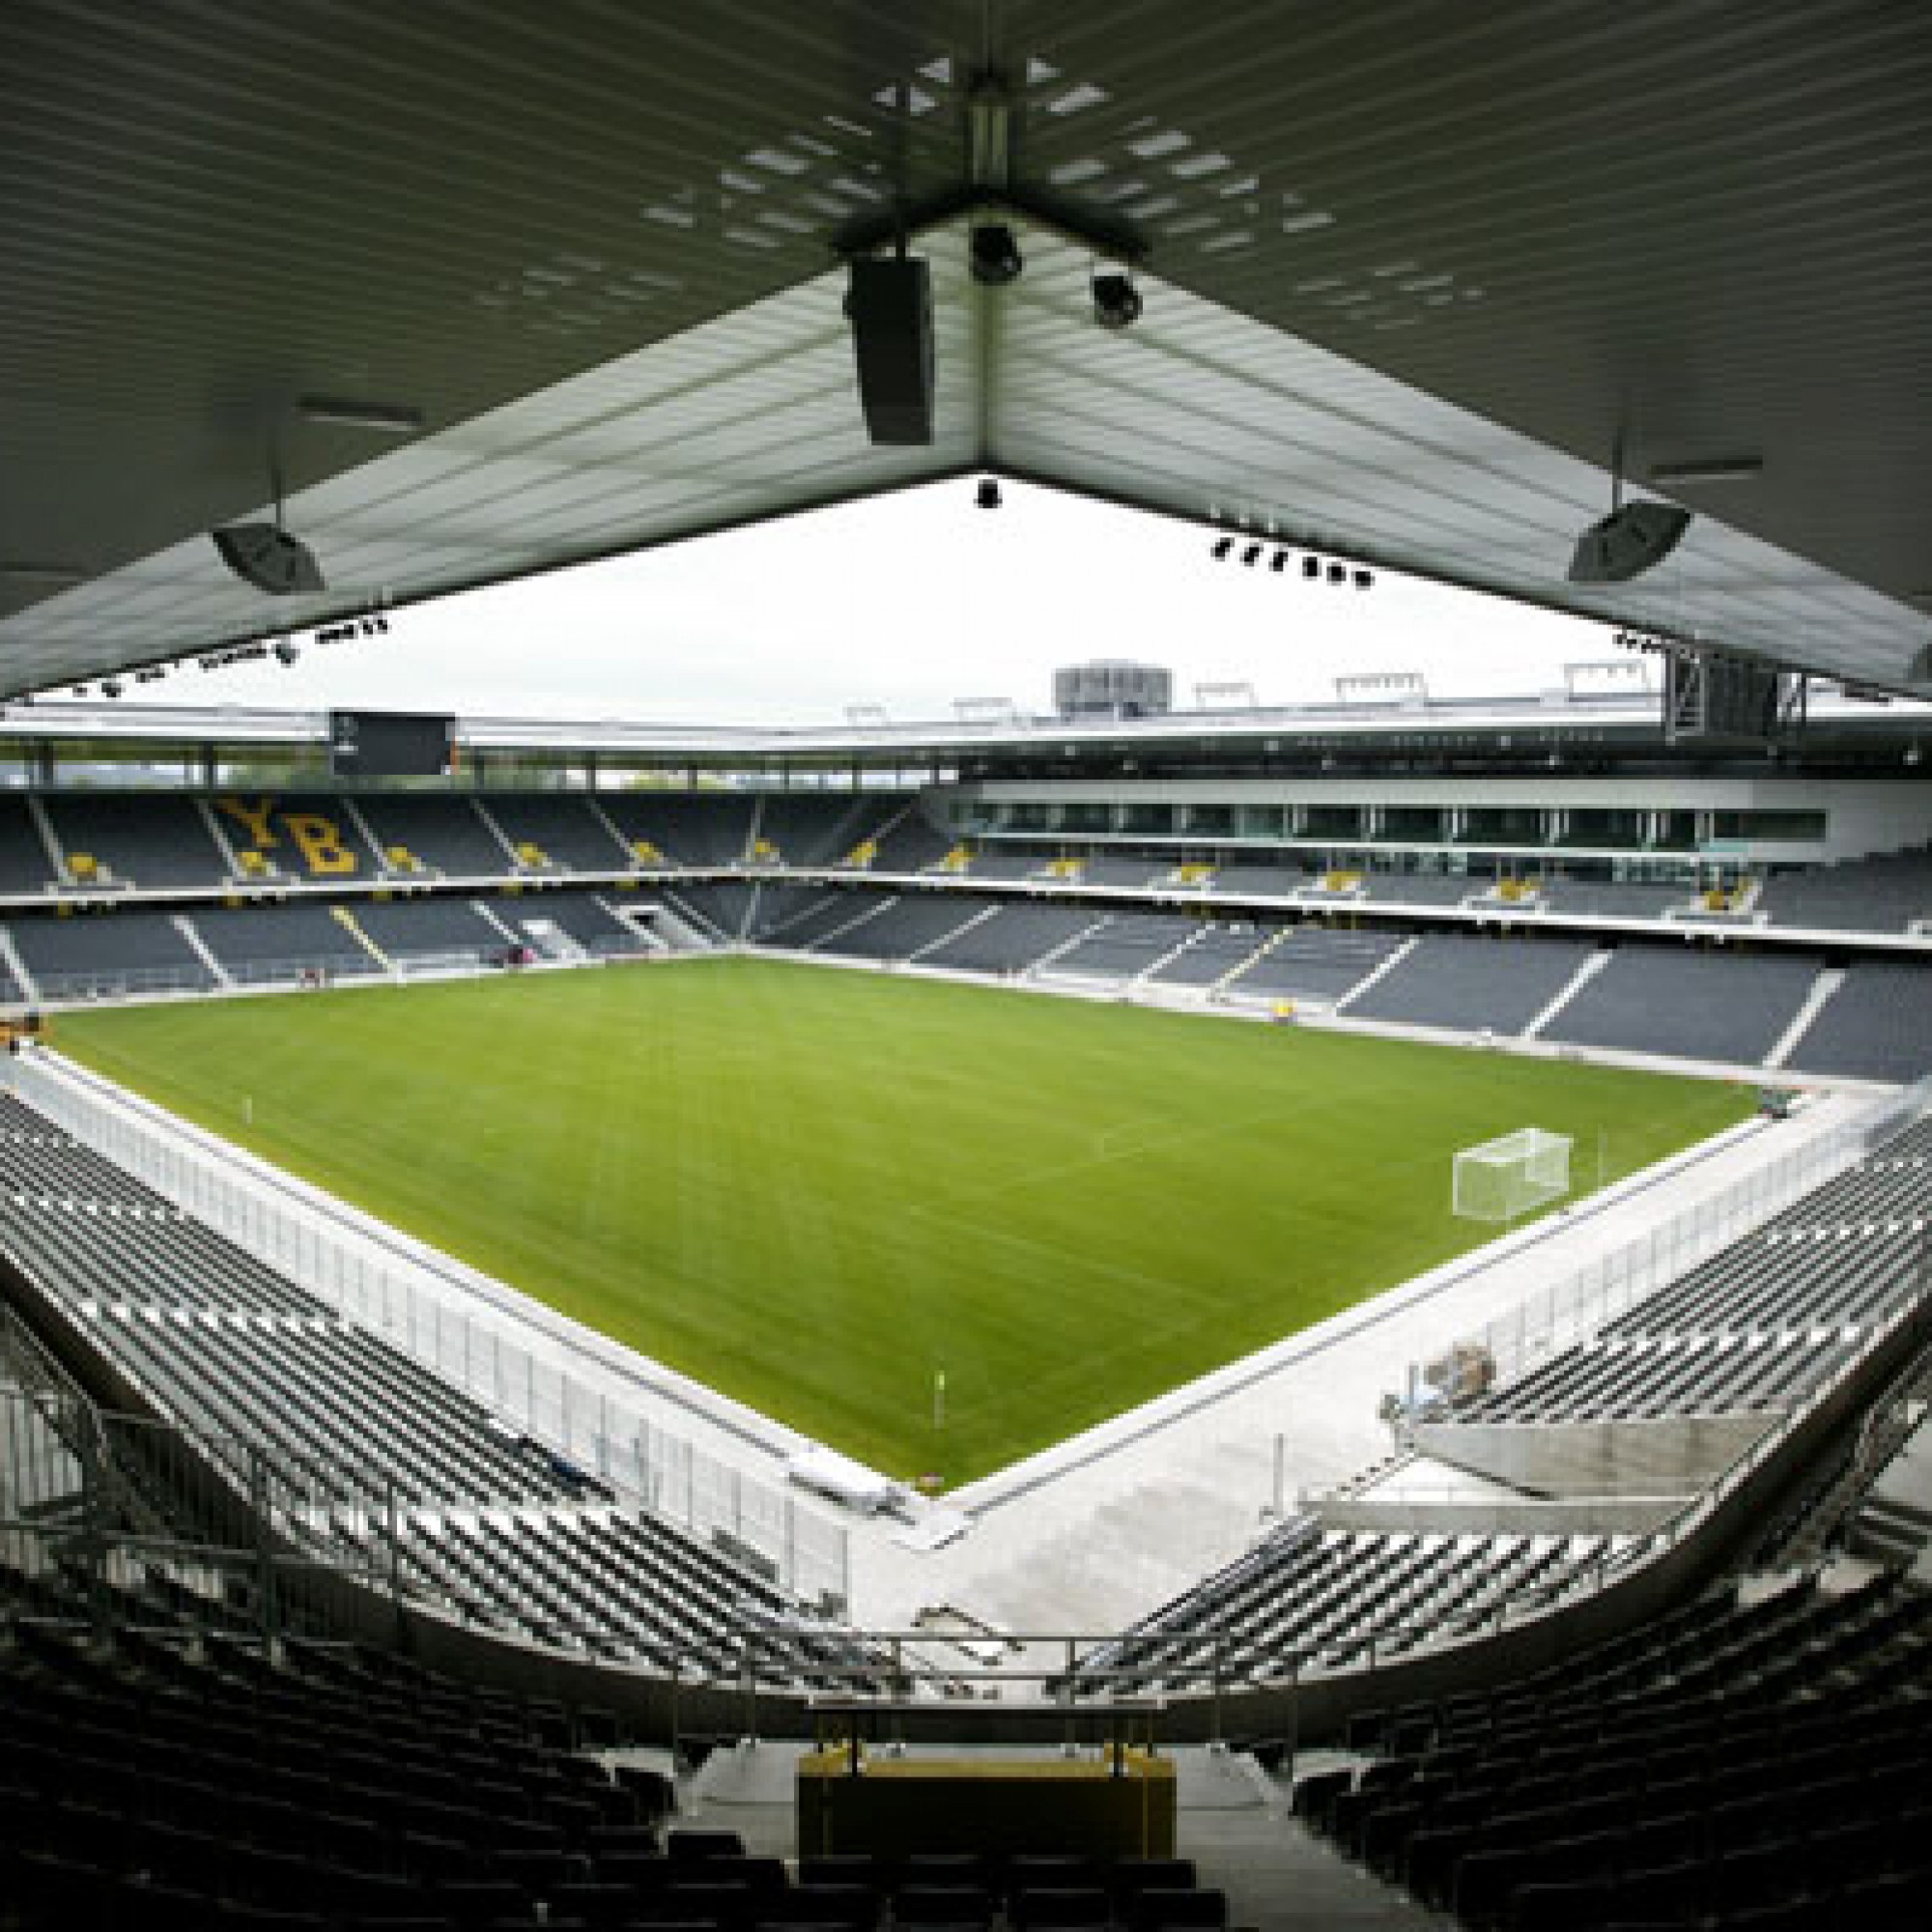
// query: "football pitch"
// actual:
[[820, 1190]]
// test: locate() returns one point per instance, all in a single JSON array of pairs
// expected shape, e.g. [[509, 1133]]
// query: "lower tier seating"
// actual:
[[1759, 1764]]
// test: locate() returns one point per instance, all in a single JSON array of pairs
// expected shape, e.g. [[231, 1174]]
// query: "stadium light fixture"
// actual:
[[1365, 580], [1117, 303], [1311, 567], [1252, 554], [1222, 549], [1338, 573], [1279, 561], [995, 257], [988, 495], [352, 412]]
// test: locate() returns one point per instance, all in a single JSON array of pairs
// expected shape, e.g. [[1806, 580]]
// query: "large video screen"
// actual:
[[389, 744]]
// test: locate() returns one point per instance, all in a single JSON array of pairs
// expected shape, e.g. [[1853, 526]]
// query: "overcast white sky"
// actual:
[[910, 602]]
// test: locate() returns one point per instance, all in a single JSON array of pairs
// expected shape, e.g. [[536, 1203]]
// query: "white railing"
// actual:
[[521, 1362]]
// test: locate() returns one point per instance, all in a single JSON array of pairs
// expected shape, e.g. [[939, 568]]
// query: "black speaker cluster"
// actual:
[[889, 303], [1233, 546]]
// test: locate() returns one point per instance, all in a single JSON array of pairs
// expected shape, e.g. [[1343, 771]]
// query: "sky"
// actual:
[[911, 602]]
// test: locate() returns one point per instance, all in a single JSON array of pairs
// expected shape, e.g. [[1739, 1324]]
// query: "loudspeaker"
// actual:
[[268, 559], [889, 306], [1628, 542]]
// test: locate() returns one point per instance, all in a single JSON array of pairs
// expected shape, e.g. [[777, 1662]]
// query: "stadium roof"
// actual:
[[1410, 270]]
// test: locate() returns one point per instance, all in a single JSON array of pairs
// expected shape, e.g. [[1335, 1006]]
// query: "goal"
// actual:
[[1503, 1179]]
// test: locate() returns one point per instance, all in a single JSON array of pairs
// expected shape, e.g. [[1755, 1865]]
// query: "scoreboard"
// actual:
[[391, 744]]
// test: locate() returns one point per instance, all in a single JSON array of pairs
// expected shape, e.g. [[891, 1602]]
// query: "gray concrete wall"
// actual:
[[1633, 1516], [1659, 1457]]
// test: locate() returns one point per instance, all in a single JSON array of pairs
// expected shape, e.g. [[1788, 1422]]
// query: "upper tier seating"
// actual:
[[1313, 963], [909, 844], [1741, 1765], [1002, 864], [689, 829], [1012, 939], [1612, 898], [1126, 945], [1699, 1006], [25, 870], [1281, 880], [1124, 875], [1881, 894], [804, 831], [440, 835], [283, 942], [1423, 888], [1876, 1026], [561, 826], [97, 954], [225, 1346], [306, 837], [1472, 984], [152, 842]]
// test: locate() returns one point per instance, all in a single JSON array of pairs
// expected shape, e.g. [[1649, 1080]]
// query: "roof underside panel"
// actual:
[[1413, 267]]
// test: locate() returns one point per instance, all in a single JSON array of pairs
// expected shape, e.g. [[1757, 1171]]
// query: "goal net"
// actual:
[[1504, 1178]]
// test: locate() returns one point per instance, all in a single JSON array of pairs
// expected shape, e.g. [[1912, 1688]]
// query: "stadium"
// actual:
[[1097, 1313]]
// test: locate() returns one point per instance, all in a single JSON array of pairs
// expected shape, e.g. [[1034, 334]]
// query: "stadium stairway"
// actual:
[[1577, 981], [352, 927], [1046, 959], [1823, 988], [1380, 972], [220, 974]]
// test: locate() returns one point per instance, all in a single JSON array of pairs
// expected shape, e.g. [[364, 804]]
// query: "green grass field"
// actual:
[[813, 1189]]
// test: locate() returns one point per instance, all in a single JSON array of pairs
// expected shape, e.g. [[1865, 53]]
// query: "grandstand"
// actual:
[[343, 1587]]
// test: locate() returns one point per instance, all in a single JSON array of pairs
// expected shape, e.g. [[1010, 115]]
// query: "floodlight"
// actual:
[[995, 258], [111, 689], [1365, 580], [1252, 554], [1117, 303], [1338, 573], [1311, 567], [1279, 561], [1222, 550], [988, 495], [287, 650]]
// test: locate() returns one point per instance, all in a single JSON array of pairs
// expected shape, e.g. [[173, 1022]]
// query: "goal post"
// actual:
[[1512, 1176]]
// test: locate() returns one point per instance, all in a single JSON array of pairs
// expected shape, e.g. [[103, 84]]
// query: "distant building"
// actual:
[[1112, 688]]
